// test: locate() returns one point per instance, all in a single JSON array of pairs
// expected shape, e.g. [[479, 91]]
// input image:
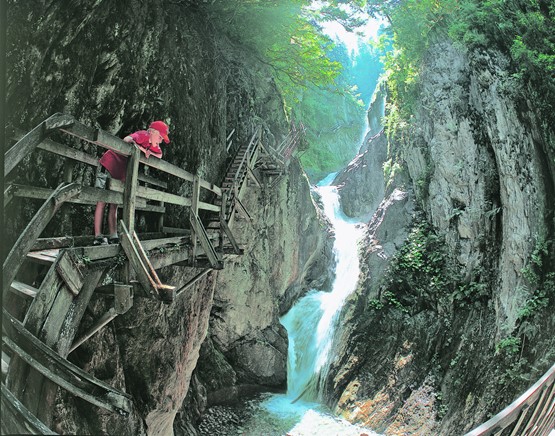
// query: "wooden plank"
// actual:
[[95, 328], [166, 293], [60, 371], [87, 196], [153, 181], [207, 206], [144, 259], [130, 193], [23, 289], [176, 231], [5, 363], [33, 230], [154, 244], [23, 147], [8, 195], [69, 152], [44, 257], [21, 421], [152, 194], [253, 177], [231, 238], [42, 303], [70, 271], [64, 334], [213, 257]]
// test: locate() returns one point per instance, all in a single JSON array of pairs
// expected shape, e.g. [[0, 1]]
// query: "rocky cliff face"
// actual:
[[118, 66], [427, 348], [361, 184]]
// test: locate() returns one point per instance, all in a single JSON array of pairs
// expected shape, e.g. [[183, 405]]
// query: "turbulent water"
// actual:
[[310, 325]]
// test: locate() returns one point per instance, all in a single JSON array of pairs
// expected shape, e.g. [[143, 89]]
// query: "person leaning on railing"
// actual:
[[114, 165]]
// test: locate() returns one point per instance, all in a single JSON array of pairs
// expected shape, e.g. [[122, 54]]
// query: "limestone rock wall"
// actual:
[[478, 166]]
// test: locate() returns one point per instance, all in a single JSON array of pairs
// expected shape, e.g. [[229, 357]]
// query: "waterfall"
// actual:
[[311, 322]]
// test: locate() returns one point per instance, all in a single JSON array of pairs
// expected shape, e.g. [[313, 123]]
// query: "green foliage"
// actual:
[[542, 282], [282, 37], [413, 23], [525, 31], [418, 275], [510, 345], [316, 79]]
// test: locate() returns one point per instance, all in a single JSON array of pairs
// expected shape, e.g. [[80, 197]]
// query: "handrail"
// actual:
[[540, 395], [239, 169]]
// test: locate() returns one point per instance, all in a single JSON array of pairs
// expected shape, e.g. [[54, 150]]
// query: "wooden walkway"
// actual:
[[48, 282]]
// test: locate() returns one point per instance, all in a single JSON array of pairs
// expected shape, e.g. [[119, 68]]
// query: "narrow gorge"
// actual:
[[450, 315]]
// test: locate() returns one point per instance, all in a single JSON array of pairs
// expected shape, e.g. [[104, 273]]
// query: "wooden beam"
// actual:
[[60, 371], [69, 152], [28, 143], [23, 289], [123, 297], [96, 327], [33, 230], [131, 185], [8, 195], [87, 196], [229, 234], [213, 257], [253, 177], [62, 334], [152, 194], [191, 282], [71, 272], [17, 419]]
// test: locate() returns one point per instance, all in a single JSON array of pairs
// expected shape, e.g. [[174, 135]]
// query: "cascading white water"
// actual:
[[311, 322]]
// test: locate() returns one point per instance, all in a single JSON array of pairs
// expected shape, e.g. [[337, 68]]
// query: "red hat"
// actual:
[[162, 128]]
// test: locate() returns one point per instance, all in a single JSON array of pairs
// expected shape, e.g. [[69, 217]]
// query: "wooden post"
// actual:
[[194, 213], [130, 192], [222, 220]]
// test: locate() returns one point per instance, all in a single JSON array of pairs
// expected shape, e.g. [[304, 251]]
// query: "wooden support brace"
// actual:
[[253, 177], [227, 231], [213, 257], [243, 209], [96, 327], [28, 143], [123, 298], [191, 282], [59, 370], [140, 263]]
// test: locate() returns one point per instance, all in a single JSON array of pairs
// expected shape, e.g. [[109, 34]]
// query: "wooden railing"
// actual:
[[533, 413], [130, 195]]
